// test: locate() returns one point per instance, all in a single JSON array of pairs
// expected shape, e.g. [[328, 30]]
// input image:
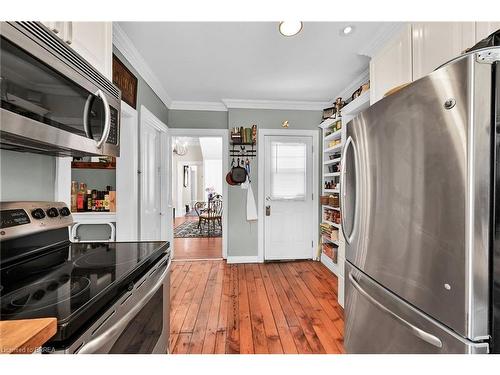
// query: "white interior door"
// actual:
[[288, 186], [155, 210]]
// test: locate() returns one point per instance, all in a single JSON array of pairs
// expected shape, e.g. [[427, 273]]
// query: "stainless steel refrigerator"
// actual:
[[419, 191]]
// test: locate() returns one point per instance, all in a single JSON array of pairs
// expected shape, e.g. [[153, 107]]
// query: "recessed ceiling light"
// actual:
[[290, 28], [347, 30]]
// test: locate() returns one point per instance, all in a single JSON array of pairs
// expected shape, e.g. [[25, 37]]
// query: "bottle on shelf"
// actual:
[[80, 198], [74, 193]]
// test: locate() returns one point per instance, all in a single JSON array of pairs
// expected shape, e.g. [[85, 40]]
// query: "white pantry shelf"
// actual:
[[332, 224], [332, 161], [331, 207], [358, 105], [335, 135], [334, 148]]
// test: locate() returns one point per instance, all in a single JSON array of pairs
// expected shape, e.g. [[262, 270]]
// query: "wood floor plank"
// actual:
[[258, 331], [284, 332], [220, 339], [233, 319], [246, 337], [182, 346], [273, 338], [180, 304], [307, 321], [194, 307], [213, 315], [200, 326], [323, 325], [245, 308]]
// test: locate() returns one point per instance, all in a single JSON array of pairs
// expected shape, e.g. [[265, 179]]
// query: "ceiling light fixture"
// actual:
[[347, 30], [290, 28], [180, 149]]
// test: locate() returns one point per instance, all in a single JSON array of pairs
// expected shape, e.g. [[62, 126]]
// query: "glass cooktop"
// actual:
[[74, 281]]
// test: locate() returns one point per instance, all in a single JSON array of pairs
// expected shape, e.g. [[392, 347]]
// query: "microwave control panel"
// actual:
[[113, 131]]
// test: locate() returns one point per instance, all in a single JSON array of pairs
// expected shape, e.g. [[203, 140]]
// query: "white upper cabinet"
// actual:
[[391, 66], [483, 29], [435, 43], [92, 40]]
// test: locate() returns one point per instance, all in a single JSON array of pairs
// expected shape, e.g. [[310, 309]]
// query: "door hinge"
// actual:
[[312, 244]]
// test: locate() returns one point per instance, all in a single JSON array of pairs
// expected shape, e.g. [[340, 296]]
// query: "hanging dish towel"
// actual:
[[251, 206]]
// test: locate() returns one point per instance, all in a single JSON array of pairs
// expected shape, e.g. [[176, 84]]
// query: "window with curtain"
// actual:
[[288, 170]]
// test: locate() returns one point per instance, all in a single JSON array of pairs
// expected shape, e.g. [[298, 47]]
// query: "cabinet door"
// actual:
[[391, 66], [435, 43], [94, 42], [483, 29]]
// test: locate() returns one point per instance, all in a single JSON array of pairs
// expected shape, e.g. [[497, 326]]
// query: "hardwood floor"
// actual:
[[196, 248], [254, 308]]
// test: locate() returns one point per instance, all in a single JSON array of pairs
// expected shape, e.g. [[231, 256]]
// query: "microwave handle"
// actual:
[[86, 110], [107, 120]]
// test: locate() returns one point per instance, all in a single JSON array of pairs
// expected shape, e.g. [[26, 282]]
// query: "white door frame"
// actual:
[[147, 117], [127, 177], [223, 133], [261, 187]]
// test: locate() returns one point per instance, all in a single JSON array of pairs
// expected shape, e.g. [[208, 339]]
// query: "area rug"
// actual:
[[189, 229]]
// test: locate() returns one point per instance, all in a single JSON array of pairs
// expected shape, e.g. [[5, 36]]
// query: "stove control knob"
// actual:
[[64, 211], [38, 213], [52, 212]]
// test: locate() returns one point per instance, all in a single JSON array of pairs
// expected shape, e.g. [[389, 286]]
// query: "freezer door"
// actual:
[[416, 194], [377, 321]]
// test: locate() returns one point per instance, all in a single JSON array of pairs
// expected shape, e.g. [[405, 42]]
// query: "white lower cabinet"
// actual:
[[483, 29], [92, 40], [391, 66], [435, 43]]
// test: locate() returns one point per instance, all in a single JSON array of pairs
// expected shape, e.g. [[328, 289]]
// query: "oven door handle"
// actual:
[[94, 345], [107, 117]]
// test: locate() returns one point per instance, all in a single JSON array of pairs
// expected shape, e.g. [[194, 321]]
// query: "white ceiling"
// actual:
[[213, 61]]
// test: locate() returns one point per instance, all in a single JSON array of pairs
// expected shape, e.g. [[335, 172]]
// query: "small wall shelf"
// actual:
[[92, 165]]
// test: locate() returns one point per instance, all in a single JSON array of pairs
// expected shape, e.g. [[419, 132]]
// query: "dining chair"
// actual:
[[213, 213]]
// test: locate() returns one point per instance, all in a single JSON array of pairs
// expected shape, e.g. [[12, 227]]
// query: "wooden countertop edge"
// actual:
[[25, 336]]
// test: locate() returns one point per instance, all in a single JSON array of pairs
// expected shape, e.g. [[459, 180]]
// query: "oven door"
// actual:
[[47, 104], [138, 323]]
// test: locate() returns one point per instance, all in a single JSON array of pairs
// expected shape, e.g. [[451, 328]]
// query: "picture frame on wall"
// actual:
[[126, 82]]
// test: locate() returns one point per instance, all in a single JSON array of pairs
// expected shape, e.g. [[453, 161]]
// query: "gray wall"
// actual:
[[197, 119], [26, 176], [243, 236]]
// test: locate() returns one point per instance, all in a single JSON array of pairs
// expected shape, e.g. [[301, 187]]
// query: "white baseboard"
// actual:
[[244, 259]]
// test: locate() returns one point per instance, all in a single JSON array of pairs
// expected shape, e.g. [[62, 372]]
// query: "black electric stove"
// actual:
[[43, 274]]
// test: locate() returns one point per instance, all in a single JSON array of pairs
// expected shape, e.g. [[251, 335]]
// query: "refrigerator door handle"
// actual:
[[427, 337], [343, 189]]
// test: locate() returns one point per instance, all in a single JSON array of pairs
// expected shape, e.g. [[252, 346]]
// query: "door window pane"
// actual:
[[288, 170]]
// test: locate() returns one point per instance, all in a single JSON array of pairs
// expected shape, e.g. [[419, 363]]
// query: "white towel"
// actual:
[[251, 206]]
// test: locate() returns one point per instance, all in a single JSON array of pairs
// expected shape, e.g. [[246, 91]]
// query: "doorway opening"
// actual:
[[198, 196]]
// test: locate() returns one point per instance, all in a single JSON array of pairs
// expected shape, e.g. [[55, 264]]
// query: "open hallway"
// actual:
[[196, 247], [254, 308]]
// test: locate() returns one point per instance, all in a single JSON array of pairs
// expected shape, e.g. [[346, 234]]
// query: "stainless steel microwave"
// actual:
[[52, 100]]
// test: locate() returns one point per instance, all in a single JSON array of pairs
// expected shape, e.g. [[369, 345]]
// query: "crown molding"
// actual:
[[381, 38], [275, 104], [197, 106], [123, 43], [354, 85]]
